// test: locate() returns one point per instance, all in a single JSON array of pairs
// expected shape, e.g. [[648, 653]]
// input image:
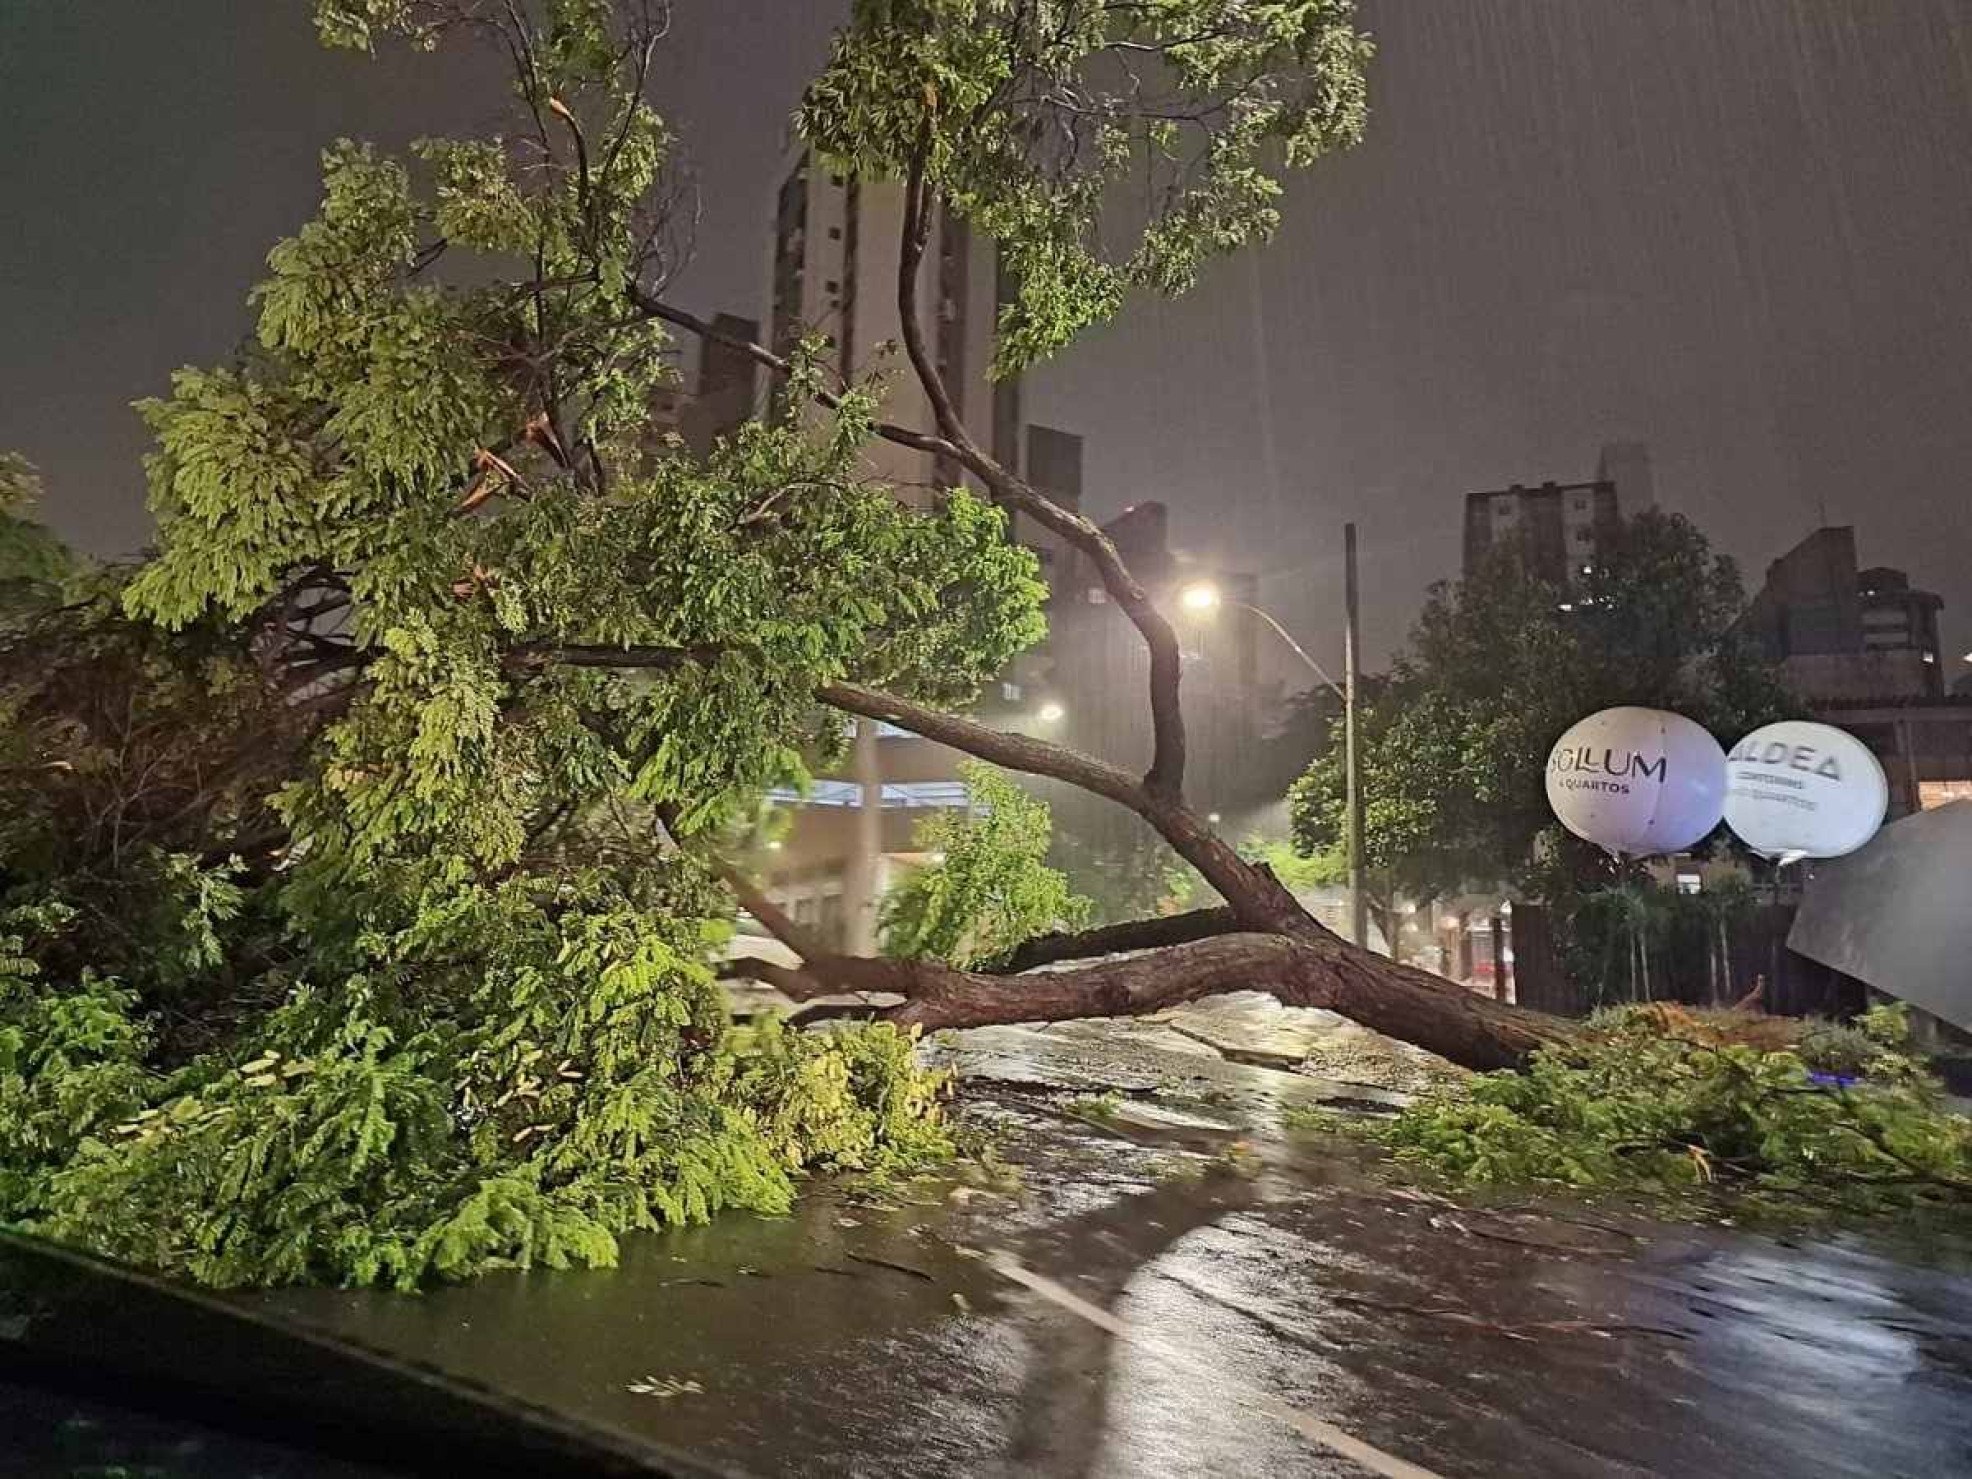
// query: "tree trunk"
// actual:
[[1313, 969]]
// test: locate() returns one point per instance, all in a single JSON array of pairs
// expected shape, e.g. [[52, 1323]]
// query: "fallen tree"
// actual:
[[1021, 121], [366, 859]]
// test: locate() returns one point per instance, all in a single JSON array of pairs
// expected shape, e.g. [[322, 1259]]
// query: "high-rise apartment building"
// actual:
[[837, 244], [1559, 531], [1556, 530]]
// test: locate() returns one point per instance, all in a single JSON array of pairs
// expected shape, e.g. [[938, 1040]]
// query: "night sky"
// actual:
[[1741, 233]]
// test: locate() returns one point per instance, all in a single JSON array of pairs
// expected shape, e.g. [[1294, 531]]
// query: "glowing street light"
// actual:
[[1200, 595], [1051, 712], [1203, 597]]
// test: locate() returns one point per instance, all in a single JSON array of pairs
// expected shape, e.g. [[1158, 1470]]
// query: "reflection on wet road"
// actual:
[[870, 1339]]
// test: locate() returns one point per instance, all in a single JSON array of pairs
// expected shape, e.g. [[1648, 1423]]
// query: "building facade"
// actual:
[[1559, 531], [1843, 634], [1860, 648], [721, 394]]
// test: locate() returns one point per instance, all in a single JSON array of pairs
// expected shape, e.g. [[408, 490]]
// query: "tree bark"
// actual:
[[1117, 939], [1399, 1001]]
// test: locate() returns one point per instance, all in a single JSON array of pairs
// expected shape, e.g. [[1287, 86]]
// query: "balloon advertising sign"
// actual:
[[1637, 781], [1798, 790]]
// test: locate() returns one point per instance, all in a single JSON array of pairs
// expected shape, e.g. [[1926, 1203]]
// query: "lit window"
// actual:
[[1689, 883], [1930, 657], [1010, 692]]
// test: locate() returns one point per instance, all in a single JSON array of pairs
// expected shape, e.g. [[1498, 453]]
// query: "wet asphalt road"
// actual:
[[871, 1339]]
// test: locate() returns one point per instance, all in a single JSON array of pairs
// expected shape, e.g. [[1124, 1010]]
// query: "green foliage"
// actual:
[[1652, 1099], [1102, 1108], [360, 927], [988, 887], [1103, 147], [36, 569], [576, 1080], [1636, 940], [1454, 746], [1313, 1118], [353, 820], [69, 1060]]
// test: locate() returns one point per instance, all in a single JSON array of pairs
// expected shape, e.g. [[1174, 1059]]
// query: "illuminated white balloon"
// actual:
[[1637, 781], [1800, 790]]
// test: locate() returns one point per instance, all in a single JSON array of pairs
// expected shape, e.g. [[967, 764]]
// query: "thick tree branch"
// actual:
[[1165, 778], [1396, 1000], [777, 365], [791, 981], [1009, 750], [910, 257], [1256, 895], [1116, 939]]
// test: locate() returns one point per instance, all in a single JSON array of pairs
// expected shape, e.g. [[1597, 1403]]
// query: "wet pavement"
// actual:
[[1248, 1282]]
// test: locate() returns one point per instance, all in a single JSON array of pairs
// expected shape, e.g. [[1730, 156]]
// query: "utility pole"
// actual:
[[1351, 662]]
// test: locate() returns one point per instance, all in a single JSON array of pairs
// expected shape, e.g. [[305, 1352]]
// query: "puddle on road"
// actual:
[[852, 1338]]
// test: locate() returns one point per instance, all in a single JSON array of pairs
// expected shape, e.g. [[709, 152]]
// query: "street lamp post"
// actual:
[[1352, 776], [1203, 596]]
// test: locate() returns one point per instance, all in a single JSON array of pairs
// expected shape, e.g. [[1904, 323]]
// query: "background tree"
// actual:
[[35, 567], [987, 887], [1499, 665], [1133, 875]]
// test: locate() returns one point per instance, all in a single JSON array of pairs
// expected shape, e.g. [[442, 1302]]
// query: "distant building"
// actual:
[[1559, 531], [1860, 649], [834, 275], [1840, 633], [722, 394], [1625, 466], [1896, 618]]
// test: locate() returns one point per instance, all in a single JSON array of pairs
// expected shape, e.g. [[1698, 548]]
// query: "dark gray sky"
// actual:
[[1739, 232]]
